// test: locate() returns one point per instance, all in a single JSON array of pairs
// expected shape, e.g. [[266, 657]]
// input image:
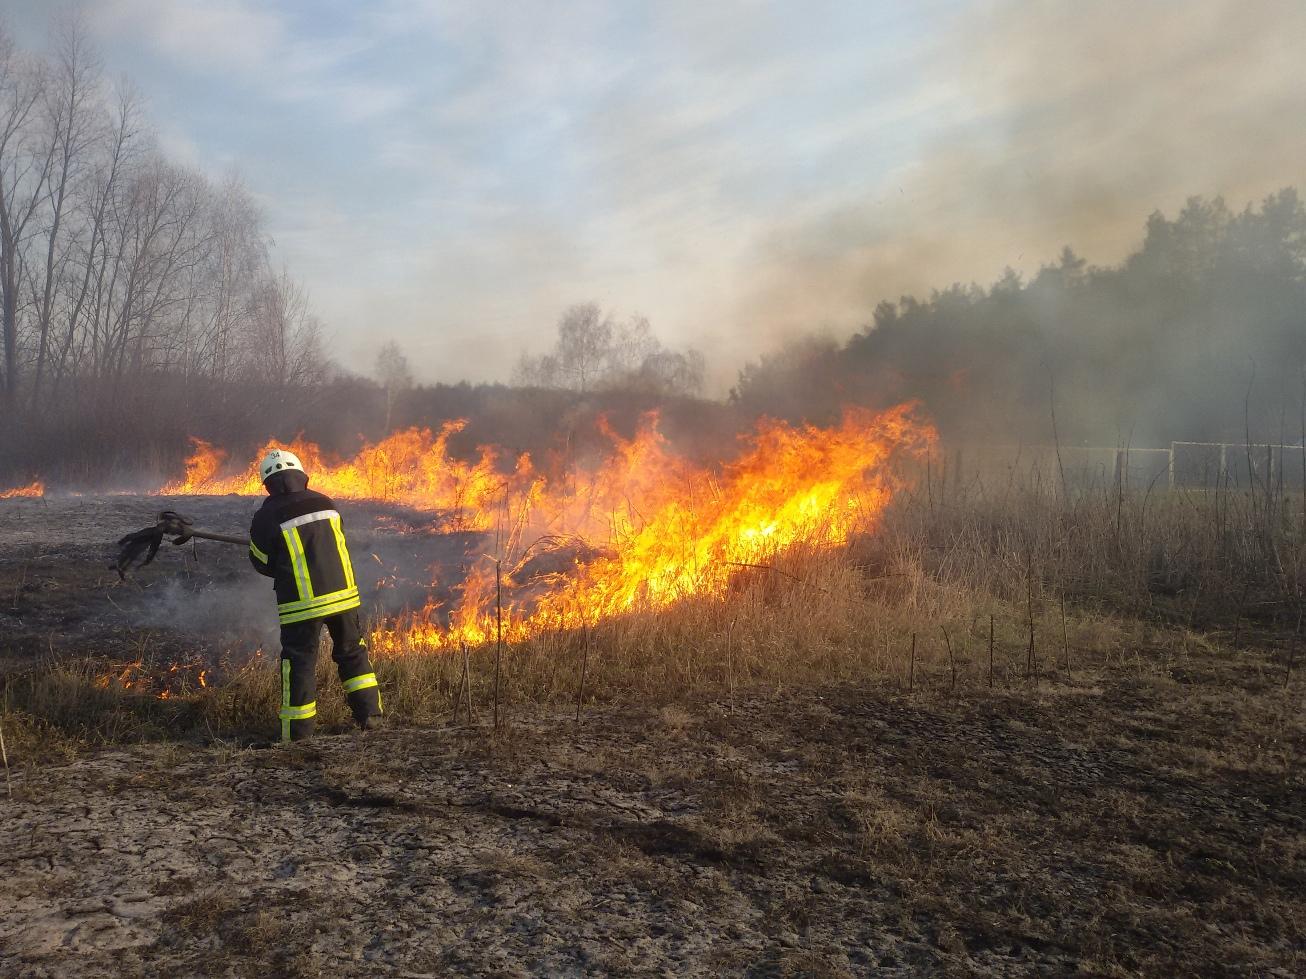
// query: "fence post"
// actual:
[[1170, 468]]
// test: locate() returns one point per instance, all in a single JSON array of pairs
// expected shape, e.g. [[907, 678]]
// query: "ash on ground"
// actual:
[[201, 603]]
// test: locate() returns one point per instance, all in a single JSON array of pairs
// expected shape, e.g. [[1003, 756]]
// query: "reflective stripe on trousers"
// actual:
[[292, 712], [360, 682]]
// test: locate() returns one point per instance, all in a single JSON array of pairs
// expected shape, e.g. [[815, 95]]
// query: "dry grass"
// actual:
[[1114, 581], [1110, 579]]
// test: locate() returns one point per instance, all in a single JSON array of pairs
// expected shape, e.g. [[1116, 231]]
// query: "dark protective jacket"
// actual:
[[298, 541]]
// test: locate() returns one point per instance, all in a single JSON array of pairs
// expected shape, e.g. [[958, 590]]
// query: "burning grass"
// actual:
[[946, 604], [672, 532], [817, 557], [642, 530], [412, 467], [36, 488]]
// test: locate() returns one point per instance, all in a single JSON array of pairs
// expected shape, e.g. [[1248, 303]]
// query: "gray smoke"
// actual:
[[1068, 124], [1060, 123], [1200, 334]]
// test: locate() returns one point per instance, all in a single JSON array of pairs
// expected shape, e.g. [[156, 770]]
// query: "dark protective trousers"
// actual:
[[299, 643]]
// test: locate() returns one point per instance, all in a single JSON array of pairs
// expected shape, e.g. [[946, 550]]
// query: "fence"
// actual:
[[1183, 465]]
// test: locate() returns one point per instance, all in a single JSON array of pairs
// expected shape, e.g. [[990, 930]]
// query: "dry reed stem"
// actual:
[[584, 669], [911, 676], [498, 640], [4, 753], [990, 650], [464, 682], [1065, 640], [730, 661]]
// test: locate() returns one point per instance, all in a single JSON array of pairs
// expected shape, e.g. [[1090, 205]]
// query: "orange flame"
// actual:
[[149, 680], [675, 531], [412, 467], [665, 529], [34, 488]]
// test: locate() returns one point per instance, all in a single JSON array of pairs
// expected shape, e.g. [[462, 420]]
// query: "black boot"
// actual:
[[365, 705]]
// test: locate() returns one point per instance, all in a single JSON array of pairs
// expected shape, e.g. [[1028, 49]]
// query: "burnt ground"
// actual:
[[199, 604], [1132, 822]]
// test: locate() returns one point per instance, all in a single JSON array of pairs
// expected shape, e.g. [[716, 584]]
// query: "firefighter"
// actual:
[[298, 541]]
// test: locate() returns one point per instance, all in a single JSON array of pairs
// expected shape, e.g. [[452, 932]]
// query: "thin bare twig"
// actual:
[[911, 674], [584, 669], [952, 663], [1292, 650], [767, 567], [990, 651], [1065, 639]]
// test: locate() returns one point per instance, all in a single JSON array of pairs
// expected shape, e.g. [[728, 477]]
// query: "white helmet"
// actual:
[[278, 460]]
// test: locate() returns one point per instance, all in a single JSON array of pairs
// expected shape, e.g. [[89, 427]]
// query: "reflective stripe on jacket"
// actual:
[[298, 541]]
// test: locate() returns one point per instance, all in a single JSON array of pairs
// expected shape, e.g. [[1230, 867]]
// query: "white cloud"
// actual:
[[213, 34], [180, 147], [260, 46]]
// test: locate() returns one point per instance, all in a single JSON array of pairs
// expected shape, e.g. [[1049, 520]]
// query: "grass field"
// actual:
[[1010, 731]]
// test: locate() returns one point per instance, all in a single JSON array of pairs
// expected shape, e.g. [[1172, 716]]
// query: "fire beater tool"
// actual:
[[140, 546]]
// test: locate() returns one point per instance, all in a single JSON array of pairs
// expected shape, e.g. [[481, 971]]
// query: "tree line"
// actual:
[[1198, 334]]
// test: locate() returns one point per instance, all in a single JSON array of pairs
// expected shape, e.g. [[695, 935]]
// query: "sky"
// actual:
[[452, 175]]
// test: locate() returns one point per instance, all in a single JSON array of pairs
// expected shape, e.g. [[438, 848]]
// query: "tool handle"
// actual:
[[225, 538]]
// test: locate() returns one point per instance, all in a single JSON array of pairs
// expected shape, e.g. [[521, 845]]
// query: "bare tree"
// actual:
[[98, 199], [537, 371], [284, 345], [70, 104], [24, 169], [584, 343], [593, 351], [632, 344], [670, 372], [394, 375], [239, 260]]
